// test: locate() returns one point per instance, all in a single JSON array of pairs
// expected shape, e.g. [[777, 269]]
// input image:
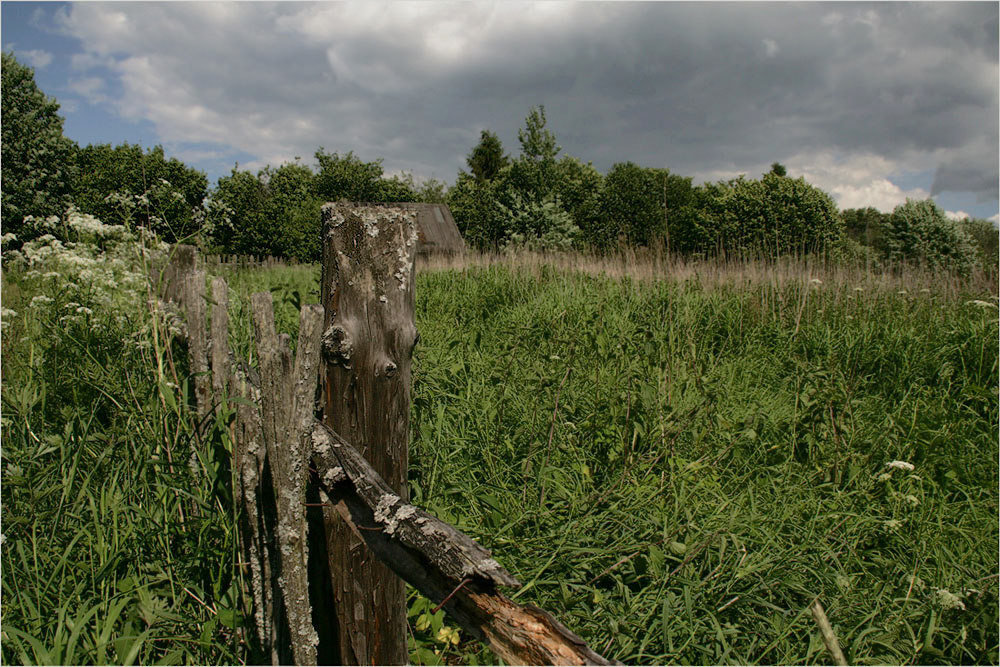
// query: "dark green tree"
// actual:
[[476, 206], [487, 158], [292, 211], [641, 205], [778, 169], [38, 161], [578, 190], [241, 225], [126, 185], [865, 226]]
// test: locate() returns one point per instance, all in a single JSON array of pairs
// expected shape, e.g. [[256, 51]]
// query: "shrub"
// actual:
[[918, 232], [543, 226]]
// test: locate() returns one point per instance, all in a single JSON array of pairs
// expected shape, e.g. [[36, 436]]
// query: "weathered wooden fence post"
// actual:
[[369, 334]]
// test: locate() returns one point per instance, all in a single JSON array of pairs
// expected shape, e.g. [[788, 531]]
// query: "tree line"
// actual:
[[539, 199]]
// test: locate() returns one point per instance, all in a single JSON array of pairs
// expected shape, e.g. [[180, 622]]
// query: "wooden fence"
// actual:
[[320, 461]]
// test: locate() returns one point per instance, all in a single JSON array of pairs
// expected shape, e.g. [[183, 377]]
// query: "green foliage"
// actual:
[[641, 205], [487, 158], [347, 178], [126, 185], [534, 174], [986, 238], [240, 224], [119, 543], [773, 216], [578, 189], [919, 232], [293, 210], [476, 206], [38, 161], [866, 226], [778, 169], [432, 191], [542, 226]]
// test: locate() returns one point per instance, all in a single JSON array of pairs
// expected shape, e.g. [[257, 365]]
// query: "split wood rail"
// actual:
[[327, 531]]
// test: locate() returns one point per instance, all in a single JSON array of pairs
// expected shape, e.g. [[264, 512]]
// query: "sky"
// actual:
[[873, 103]]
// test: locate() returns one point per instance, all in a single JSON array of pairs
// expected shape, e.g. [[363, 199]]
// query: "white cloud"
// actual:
[[856, 180], [770, 47], [90, 88], [957, 215], [995, 219], [37, 58]]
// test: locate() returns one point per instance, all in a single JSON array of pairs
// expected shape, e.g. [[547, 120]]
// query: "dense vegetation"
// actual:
[[539, 199], [674, 466]]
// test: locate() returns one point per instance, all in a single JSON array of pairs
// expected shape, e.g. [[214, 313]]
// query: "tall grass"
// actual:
[[678, 466], [675, 457], [118, 530]]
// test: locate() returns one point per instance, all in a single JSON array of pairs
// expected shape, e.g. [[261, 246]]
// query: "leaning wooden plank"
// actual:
[[444, 564], [288, 475]]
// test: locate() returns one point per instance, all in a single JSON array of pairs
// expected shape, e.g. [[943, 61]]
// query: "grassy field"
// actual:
[[675, 459]]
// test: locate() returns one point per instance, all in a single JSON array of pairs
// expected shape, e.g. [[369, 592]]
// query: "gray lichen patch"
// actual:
[[383, 509]]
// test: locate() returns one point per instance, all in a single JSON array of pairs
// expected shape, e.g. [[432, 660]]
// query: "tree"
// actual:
[[349, 178], [487, 158], [866, 226], [778, 169], [243, 226], [125, 185], [641, 204], [292, 211], [986, 238], [476, 206], [919, 232], [771, 216], [578, 189], [533, 174], [38, 161]]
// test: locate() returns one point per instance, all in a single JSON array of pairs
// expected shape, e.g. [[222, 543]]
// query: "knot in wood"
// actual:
[[337, 346]]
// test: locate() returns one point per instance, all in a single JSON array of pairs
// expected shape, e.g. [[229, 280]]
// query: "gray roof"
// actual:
[[437, 229]]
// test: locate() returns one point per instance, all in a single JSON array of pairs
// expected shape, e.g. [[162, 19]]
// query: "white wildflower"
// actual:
[[8, 237], [859, 289], [980, 303], [900, 465], [40, 300], [913, 500], [815, 281], [885, 477], [948, 600], [892, 525], [83, 310]]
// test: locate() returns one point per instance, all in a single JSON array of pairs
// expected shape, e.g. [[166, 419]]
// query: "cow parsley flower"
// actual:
[[900, 465], [39, 301], [948, 600]]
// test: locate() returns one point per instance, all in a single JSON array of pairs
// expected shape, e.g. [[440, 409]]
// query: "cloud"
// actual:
[[854, 95], [37, 58], [957, 215]]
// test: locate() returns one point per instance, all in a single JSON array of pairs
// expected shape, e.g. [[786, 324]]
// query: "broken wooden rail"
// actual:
[[286, 463]]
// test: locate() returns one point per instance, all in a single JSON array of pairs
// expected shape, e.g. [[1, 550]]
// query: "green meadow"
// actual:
[[674, 460]]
